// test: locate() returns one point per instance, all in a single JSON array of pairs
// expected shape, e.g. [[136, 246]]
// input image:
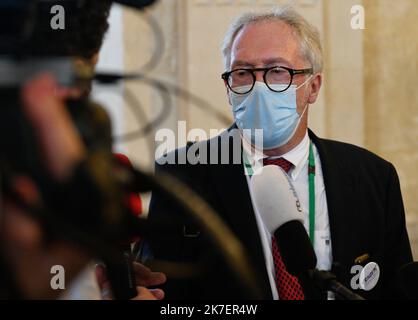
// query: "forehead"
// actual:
[[261, 42]]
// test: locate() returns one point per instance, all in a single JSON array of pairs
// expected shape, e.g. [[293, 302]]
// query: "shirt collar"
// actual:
[[254, 154], [298, 156]]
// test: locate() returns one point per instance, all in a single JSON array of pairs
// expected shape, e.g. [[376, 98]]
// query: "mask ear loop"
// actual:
[[306, 81], [307, 105], [303, 113]]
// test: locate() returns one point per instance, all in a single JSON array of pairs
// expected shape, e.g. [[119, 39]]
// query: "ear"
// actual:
[[315, 86], [95, 59]]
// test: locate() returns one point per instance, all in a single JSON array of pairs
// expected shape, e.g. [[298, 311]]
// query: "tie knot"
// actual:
[[281, 162]]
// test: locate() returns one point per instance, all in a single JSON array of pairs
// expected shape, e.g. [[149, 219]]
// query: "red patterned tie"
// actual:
[[288, 286]]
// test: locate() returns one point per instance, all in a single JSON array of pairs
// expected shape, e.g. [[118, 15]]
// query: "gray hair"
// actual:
[[309, 38]]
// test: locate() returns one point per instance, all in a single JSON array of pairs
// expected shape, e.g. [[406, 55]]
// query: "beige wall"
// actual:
[[344, 90], [391, 93], [370, 96]]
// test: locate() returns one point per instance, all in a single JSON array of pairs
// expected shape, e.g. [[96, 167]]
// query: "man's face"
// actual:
[[268, 44]]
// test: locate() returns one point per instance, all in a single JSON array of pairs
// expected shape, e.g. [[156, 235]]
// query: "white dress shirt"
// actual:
[[299, 177]]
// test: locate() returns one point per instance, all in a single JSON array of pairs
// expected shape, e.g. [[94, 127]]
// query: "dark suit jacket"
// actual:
[[365, 207]]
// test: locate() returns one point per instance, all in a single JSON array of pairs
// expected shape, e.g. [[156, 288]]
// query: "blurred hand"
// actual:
[[144, 278], [59, 141]]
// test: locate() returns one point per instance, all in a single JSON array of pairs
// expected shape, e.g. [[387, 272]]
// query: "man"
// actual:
[[352, 207]]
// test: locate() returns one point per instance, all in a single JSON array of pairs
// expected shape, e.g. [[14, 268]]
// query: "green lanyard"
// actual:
[[311, 174]]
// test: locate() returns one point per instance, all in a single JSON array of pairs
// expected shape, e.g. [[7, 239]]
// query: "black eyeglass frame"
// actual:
[[293, 72]]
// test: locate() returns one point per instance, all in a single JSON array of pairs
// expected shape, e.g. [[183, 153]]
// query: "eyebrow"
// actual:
[[242, 63]]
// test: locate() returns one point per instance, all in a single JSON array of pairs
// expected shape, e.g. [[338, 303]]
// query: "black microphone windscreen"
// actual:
[[407, 279], [138, 4], [295, 248]]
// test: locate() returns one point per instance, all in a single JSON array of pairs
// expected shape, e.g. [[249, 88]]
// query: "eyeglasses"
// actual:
[[277, 79]]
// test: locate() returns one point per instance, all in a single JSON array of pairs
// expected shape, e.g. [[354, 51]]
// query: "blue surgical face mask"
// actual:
[[273, 112]]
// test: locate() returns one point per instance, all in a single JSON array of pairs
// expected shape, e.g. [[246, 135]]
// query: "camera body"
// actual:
[[92, 202]]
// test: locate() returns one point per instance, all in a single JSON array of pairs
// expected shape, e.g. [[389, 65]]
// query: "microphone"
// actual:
[[407, 279], [137, 4], [280, 210], [278, 204], [121, 273], [132, 200]]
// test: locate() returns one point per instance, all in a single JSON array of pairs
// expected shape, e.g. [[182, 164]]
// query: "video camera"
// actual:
[[93, 202]]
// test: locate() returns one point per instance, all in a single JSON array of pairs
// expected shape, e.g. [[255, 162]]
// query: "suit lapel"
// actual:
[[230, 185], [339, 186]]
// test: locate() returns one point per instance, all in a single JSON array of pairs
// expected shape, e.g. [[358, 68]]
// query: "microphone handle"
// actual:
[[328, 281], [121, 275], [343, 292]]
